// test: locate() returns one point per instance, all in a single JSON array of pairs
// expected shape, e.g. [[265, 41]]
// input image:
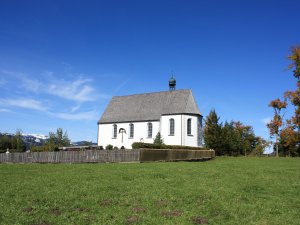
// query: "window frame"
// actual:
[[114, 131], [149, 130], [171, 127], [131, 131], [189, 127]]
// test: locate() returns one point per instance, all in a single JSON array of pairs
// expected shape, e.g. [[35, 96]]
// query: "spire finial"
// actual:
[[172, 83]]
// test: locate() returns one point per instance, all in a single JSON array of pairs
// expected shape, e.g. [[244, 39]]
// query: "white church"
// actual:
[[139, 117]]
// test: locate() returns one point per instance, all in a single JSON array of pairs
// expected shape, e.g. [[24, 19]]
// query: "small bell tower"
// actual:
[[172, 84]]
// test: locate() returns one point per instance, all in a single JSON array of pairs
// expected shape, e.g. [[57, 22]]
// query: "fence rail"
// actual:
[[88, 156], [103, 156]]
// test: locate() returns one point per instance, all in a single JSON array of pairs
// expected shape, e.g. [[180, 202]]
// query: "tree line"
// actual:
[[15, 143], [231, 138]]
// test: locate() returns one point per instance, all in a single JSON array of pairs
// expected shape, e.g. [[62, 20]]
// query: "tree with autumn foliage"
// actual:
[[233, 138], [276, 123], [287, 132]]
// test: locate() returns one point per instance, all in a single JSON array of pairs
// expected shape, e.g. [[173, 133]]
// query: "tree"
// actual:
[[5, 143], [158, 139], [17, 142], [288, 134], [58, 139], [230, 139], [276, 123], [212, 132], [260, 146]]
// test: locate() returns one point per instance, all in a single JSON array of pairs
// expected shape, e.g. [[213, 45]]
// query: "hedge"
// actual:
[[138, 145], [169, 155]]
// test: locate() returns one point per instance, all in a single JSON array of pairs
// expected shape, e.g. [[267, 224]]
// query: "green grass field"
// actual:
[[220, 191]]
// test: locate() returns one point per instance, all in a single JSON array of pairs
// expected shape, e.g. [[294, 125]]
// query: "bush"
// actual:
[[138, 145], [122, 147], [109, 147], [100, 147], [116, 148]]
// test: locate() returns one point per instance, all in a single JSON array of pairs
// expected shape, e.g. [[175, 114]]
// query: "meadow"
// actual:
[[225, 190]]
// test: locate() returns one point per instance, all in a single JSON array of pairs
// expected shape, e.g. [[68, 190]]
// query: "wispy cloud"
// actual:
[[75, 108], [5, 110], [90, 115], [24, 81], [77, 89], [24, 103], [120, 86]]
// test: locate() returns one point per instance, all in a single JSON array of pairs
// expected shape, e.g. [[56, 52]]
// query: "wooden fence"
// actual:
[[88, 156], [103, 156]]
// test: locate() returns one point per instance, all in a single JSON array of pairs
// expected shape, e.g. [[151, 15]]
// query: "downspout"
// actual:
[[181, 130], [98, 134]]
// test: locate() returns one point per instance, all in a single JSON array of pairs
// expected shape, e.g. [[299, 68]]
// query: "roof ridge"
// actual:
[[156, 92]]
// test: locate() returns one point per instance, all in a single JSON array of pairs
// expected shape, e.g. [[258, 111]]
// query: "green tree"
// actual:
[[17, 142], [230, 139], [58, 139], [212, 132], [5, 143], [260, 146], [158, 139]]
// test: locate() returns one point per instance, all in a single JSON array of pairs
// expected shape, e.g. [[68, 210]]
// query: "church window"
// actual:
[[115, 130], [189, 127], [149, 130], [172, 127], [131, 130]]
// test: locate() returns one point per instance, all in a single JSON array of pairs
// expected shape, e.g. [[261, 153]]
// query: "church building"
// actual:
[[139, 117]]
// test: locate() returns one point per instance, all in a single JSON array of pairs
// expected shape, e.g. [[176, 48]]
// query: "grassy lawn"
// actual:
[[221, 191]]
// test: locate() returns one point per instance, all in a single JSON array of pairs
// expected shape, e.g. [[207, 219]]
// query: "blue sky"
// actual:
[[62, 61]]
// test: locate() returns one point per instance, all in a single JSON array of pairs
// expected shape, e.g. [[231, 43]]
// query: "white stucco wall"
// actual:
[[165, 130], [105, 134], [180, 137], [190, 140]]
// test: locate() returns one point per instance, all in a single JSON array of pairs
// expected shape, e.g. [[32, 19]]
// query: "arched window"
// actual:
[[149, 130], [172, 127], [131, 130], [189, 127], [115, 130]]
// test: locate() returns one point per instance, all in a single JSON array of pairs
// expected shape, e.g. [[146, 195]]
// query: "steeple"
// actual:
[[172, 84]]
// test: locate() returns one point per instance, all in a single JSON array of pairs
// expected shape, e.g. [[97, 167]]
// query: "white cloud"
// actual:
[[77, 90], [24, 81], [31, 84], [5, 110], [75, 108], [24, 103], [266, 120], [90, 115]]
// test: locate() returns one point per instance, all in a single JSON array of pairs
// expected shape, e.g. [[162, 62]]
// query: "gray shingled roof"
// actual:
[[149, 106]]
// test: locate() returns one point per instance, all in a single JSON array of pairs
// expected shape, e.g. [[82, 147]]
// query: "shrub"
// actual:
[[109, 147], [122, 147], [158, 139], [100, 147], [116, 148]]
